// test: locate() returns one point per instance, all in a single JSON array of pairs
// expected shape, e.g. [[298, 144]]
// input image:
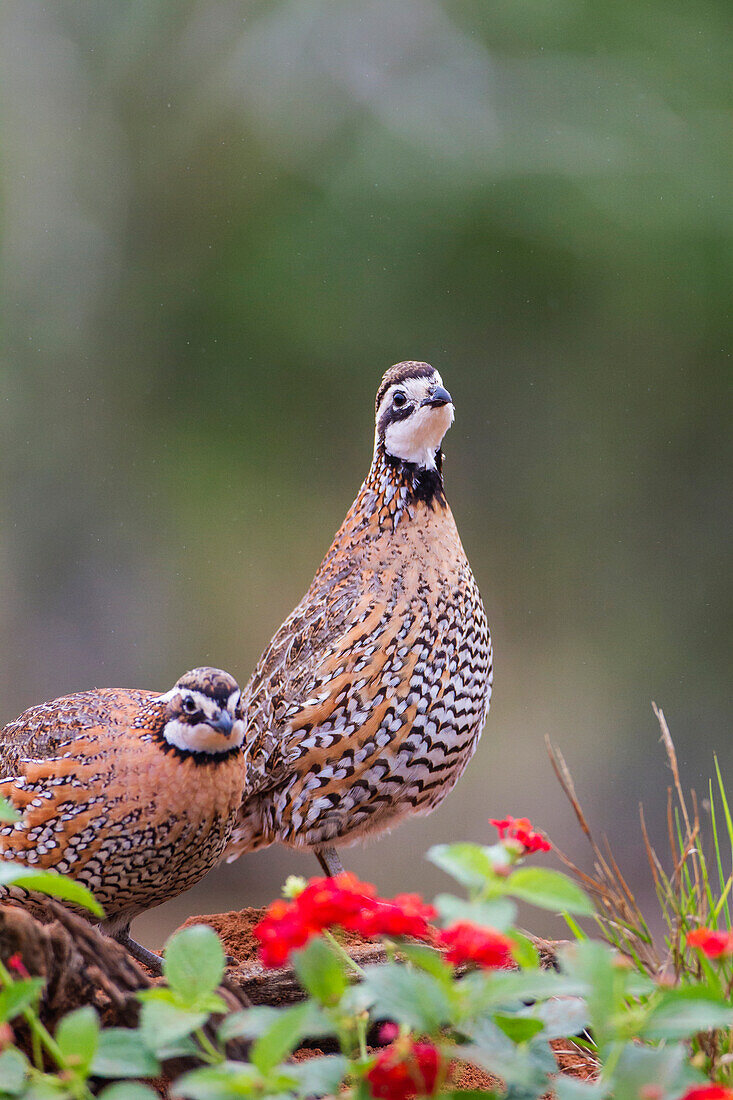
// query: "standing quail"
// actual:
[[369, 701], [131, 793]]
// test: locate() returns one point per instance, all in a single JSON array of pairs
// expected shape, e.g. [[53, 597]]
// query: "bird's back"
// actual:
[[38, 733]]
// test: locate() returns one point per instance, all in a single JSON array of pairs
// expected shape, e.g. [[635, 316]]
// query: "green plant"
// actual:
[[449, 999], [694, 895]]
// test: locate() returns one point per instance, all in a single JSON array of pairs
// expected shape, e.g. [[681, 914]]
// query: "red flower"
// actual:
[[708, 1092], [328, 901], [15, 962], [711, 942], [279, 932], [342, 901], [466, 942], [520, 829], [402, 1071], [405, 915]]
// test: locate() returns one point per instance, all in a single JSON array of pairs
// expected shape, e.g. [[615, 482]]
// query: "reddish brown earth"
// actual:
[[236, 932]]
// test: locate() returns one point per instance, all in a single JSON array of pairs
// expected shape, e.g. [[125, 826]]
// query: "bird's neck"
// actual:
[[393, 489], [393, 494]]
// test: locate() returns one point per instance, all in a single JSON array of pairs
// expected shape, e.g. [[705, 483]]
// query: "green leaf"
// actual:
[[223, 1082], [479, 993], [681, 1013], [78, 1037], [128, 1090], [526, 1067], [13, 1071], [50, 883], [549, 890], [18, 996], [8, 813], [563, 1017], [408, 996], [520, 1029], [122, 1053], [498, 913], [356, 999], [181, 1048], [565, 1088], [601, 983], [210, 1002], [665, 1068], [46, 1088], [282, 1037], [469, 1094], [469, 864], [321, 971], [249, 1023], [194, 963], [162, 1024], [524, 951], [429, 960], [320, 1076]]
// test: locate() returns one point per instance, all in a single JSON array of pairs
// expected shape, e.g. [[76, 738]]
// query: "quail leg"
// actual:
[[142, 954], [330, 861]]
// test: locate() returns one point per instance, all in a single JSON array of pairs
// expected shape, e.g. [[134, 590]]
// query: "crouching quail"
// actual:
[[370, 699], [129, 792]]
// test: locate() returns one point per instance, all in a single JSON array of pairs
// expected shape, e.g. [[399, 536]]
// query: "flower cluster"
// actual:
[[345, 902], [711, 942], [467, 943], [519, 830], [404, 1070]]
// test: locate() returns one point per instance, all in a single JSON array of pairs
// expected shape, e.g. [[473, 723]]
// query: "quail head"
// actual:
[[132, 793], [370, 699]]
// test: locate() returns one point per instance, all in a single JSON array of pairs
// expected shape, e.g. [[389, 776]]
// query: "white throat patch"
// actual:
[[415, 438], [202, 737], [418, 438]]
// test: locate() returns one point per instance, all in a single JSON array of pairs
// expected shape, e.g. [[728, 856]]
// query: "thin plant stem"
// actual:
[[344, 954], [209, 1051], [44, 1038]]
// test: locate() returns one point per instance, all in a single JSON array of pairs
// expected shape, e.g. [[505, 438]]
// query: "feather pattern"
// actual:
[[107, 800], [370, 699]]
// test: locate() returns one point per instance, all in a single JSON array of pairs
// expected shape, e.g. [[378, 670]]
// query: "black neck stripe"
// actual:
[[198, 758], [423, 484]]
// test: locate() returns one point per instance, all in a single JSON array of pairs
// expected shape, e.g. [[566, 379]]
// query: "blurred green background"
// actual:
[[222, 221]]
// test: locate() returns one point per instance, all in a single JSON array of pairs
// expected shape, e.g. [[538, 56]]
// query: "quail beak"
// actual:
[[223, 723], [438, 398]]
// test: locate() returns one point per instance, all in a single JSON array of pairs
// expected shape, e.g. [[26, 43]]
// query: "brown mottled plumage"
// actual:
[[370, 699], [131, 793]]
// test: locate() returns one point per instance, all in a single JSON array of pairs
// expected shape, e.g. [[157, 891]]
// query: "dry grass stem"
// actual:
[[685, 894]]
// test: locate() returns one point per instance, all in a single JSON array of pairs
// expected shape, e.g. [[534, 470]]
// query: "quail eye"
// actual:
[[189, 705], [399, 399]]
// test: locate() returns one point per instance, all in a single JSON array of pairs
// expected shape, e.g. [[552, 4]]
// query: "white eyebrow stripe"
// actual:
[[167, 697], [415, 389], [203, 702]]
